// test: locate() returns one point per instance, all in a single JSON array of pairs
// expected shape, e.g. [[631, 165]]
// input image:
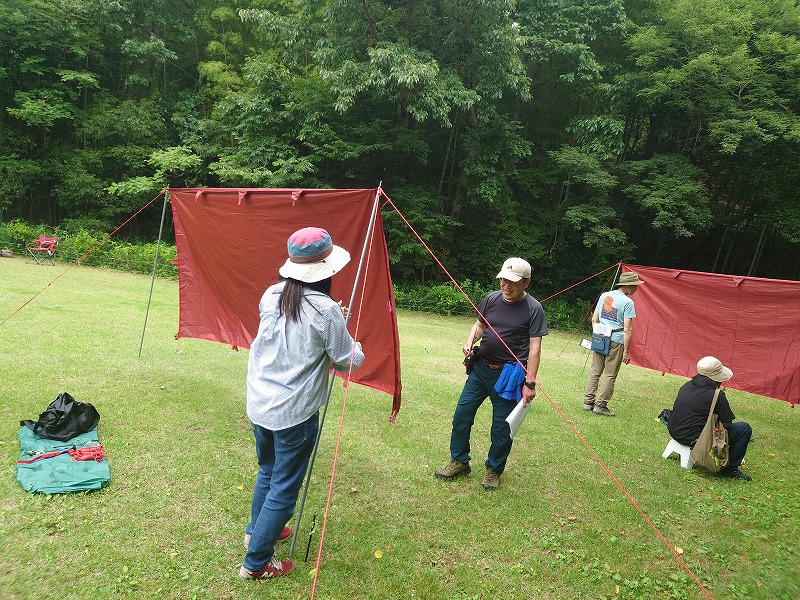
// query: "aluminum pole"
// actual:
[[370, 227], [155, 265]]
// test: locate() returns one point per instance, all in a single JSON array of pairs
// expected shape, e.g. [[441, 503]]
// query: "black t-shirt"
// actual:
[[515, 322], [691, 408]]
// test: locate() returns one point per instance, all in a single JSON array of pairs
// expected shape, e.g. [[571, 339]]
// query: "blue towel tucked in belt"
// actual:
[[509, 384]]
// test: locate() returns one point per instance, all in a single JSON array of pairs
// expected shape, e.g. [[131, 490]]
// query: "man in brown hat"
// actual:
[[615, 309]]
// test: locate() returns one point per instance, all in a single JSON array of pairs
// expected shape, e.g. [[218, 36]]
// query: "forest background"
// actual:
[[575, 133]]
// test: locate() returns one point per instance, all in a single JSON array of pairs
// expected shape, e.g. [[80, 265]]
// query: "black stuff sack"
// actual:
[[64, 419]]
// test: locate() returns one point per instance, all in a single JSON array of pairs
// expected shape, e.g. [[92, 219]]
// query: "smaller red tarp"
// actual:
[[751, 324], [231, 243]]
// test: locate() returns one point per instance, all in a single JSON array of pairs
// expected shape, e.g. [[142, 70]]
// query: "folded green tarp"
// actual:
[[59, 474]]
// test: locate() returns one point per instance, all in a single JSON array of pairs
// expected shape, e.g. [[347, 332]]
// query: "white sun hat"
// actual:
[[313, 256], [713, 369]]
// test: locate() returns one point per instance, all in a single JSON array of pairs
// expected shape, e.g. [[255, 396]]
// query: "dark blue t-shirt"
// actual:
[[515, 323]]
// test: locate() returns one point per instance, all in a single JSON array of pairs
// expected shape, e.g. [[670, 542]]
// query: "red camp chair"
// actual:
[[44, 251]]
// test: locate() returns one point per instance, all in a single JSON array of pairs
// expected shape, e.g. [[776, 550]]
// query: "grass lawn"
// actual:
[[182, 460]]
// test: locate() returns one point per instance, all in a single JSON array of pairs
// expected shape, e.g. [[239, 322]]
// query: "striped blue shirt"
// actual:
[[288, 367]]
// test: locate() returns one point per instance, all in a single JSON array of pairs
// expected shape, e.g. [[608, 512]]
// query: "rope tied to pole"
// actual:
[[561, 414]]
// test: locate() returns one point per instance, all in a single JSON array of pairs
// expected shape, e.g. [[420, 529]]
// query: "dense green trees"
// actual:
[[575, 133]]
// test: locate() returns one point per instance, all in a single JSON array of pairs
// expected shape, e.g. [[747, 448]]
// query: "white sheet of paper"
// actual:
[[586, 344], [602, 329], [517, 416]]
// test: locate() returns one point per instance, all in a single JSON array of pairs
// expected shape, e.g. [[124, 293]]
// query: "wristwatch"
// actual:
[[530, 384]]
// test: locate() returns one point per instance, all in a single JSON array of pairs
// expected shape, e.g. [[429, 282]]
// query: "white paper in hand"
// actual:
[[517, 416]]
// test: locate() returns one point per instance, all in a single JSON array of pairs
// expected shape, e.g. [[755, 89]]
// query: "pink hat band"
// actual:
[[308, 245], [313, 256]]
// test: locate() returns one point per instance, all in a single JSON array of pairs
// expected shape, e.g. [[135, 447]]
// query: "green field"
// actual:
[[182, 461]]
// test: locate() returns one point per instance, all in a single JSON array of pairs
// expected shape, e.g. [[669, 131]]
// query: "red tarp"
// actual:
[[752, 325], [231, 242]]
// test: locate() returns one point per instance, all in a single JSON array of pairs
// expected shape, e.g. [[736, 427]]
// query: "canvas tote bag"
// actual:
[[711, 449]]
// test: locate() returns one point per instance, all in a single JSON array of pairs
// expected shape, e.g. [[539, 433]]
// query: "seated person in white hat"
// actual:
[[691, 408]]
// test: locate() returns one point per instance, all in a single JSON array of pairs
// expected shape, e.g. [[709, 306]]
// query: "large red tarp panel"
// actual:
[[752, 325], [231, 243]]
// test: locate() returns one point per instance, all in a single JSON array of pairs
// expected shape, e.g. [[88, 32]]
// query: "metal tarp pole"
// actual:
[[333, 376], [155, 265]]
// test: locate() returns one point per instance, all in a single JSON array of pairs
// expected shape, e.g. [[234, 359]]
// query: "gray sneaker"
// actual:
[[603, 410], [454, 468], [491, 480], [588, 405]]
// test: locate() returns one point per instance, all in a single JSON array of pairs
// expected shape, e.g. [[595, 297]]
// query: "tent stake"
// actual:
[[333, 376]]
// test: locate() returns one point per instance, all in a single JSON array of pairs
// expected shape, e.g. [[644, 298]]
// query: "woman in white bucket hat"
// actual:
[[301, 333]]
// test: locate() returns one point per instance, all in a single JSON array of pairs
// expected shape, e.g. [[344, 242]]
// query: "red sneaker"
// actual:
[[273, 568], [287, 532]]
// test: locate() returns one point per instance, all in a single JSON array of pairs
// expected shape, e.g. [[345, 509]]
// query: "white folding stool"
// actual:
[[684, 451]]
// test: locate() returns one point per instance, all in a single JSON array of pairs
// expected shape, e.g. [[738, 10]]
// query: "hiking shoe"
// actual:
[[284, 534], [491, 479], [588, 405], [273, 568], [736, 474], [603, 410], [454, 468]]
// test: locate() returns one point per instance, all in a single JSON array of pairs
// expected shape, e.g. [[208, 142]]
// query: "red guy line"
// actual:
[[341, 418], [88, 252], [561, 414]]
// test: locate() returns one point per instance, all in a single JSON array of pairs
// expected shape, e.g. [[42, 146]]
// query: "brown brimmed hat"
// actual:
[[629, 278]]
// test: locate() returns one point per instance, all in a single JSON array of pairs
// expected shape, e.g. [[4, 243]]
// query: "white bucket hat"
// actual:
[[515, 269], [713, 369], [313, 256]]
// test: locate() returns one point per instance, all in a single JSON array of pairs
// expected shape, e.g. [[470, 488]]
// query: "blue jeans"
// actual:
[[282, 462], [479, 386], [738, 437]]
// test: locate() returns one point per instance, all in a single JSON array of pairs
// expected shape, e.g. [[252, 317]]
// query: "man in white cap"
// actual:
[[510, 325], [615, 309], [691, 408]]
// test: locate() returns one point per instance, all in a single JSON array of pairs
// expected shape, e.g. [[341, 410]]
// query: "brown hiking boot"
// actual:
[[600, 408], [452, 469], [491, 479]]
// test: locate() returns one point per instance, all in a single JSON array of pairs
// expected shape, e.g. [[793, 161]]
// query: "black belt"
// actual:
[[496, 366], [492, 365]]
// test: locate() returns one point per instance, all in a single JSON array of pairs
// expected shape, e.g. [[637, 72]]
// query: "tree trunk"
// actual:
[[719, 249], [757, 251]]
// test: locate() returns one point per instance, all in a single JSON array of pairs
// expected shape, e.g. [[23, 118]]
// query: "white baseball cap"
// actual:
[[515, 269], [713, 369]]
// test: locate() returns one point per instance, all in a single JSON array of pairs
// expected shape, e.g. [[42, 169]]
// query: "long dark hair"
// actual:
[[293, 292]]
